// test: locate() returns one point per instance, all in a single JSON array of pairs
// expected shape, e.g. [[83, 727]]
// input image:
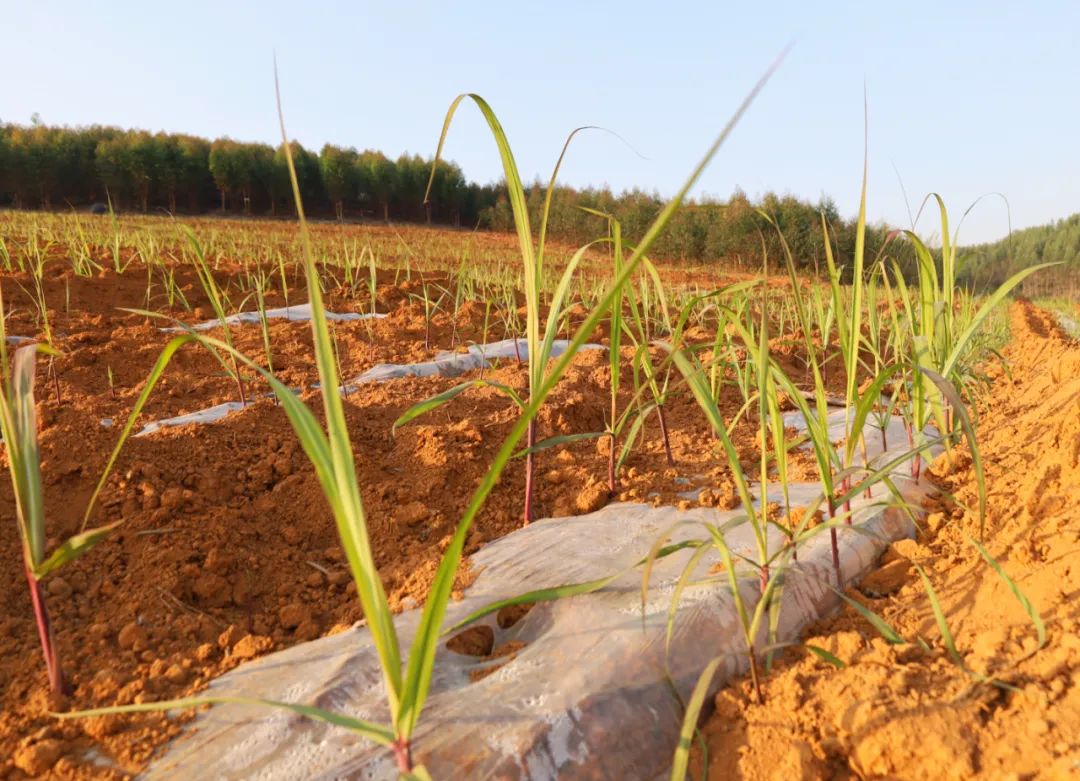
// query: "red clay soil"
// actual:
[[902, 712], [227, 548]]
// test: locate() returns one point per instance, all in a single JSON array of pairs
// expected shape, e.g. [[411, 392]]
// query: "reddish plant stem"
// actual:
[[44, 627], [529, 443], [517, 350], [664, 435], [239, 382], [403, 755], [611, 464], [835, 545], [755, 678]]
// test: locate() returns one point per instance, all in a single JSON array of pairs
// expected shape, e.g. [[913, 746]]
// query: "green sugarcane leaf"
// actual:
[[422, 657], [891, 635], [676, 595], [556, 309], [562, 592], [681, 760], [995, 298], [824, 655], [865, 404], [71, 549], [151, 381], [19, 428], [960, 410], [628, 441], [939, 618], [340, 484], [1029, 608], [557, 441], [433, 402]]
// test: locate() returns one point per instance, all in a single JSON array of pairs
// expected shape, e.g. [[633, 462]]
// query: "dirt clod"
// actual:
[[250, 646], [132, 637], [37, 758]]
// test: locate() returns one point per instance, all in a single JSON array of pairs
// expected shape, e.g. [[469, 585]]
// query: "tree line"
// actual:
[[988, 265], [737, 230], [53, 167]]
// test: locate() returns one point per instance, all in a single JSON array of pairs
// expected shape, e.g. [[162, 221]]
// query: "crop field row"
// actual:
[[147, 565]]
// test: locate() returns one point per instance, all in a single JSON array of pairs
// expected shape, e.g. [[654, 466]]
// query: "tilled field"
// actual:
[[903, 711], [227, 549]]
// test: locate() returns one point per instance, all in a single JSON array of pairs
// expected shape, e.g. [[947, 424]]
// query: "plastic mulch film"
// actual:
[[580, 688], [446, 364]]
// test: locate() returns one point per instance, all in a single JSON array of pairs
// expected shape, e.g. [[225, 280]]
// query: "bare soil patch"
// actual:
[[902, 712]]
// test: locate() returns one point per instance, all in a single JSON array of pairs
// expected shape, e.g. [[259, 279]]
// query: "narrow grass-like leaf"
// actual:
[[561, 592], [876, 621], [421, 660], [151, 381], [681, 760], [939, 618], [825, 656], [436, 401], [561, 439], [960, 410], [988, 306], [72, 548], [349, 515], [1029, 608]]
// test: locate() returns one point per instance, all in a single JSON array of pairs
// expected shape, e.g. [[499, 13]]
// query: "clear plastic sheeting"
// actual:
[[199, 417], [1070, 325], [588, 695], [446, 364], [451, 364], [295, 313]]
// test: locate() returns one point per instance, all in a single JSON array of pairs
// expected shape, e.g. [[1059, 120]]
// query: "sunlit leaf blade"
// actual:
[[960, 410], [558, 441], [568, 590], [825, 656], [72, 548], [876, 621], [939, 618], [151, 381], [425, 645], [1029, 608], [349, 514], [681, 760]]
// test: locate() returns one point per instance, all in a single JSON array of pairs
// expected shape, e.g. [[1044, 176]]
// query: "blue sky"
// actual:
[[965, 98]]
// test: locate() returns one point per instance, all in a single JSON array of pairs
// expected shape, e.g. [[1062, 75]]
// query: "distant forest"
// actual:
[[1059, 241], [51, 167]]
